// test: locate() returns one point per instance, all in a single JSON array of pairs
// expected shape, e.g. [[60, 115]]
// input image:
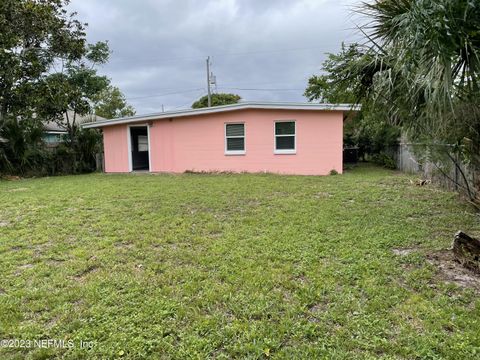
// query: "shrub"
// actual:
[[384, 160], [23, 151], [21, 147]]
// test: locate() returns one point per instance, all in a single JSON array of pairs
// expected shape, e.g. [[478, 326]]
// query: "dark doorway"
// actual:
[[139, 147]]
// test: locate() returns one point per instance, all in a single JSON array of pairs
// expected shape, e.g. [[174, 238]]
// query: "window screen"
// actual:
[[285, 136], [234, 138]]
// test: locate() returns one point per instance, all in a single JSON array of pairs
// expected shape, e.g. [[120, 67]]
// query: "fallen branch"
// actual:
[[421, 182]]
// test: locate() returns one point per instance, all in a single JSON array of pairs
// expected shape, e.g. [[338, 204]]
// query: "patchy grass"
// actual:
[[222, 266]]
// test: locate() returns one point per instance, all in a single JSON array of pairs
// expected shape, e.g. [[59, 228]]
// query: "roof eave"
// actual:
[[223, 108]]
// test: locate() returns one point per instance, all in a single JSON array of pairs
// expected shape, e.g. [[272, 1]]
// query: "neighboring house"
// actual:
[[287, 138], [54, 132]]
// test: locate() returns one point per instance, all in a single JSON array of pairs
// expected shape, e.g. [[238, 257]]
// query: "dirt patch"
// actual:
[[324, 195], [11, 177], [81, 275], [215, 233], [4, 223], [450, 271], [40, 249], [124, 245], [165, 246], [316, 310], [56, 261], [300, 279], [403, 251], [18, 189], [320, 307], [23, 267], [52, 322]]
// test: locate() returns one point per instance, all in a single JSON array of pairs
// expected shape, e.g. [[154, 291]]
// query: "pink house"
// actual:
[[286, 138]]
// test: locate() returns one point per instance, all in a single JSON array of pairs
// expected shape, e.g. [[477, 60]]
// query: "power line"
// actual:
[[199, 95], [270, 51], [258, 89], [221, 88], [269, 83], [217, 55], [164, 94]]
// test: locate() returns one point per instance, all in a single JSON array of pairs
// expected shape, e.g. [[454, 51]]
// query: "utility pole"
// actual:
[[208, 82]]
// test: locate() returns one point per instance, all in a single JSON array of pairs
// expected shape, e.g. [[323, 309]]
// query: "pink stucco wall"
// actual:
[[197, 143], [115, 144]]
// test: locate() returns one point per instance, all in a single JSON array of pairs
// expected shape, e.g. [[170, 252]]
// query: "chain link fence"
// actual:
[[435, 162]]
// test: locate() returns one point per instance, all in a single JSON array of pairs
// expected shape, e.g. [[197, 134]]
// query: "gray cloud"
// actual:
[[159, 46]]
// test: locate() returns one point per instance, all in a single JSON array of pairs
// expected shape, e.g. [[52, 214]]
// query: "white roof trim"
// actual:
[[223, 108]]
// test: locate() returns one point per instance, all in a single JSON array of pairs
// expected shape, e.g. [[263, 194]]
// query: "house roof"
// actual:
[[60, 127], [223, 108]]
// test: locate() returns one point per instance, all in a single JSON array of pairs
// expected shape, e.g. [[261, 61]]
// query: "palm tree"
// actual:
[[420, 67]]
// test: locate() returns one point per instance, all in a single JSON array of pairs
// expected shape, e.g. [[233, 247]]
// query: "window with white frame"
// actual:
[[235, 139], [285, 137]]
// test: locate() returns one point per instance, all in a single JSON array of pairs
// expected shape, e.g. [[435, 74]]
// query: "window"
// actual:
[[285, 137], [234, 139], [142, 143], [50, 138]]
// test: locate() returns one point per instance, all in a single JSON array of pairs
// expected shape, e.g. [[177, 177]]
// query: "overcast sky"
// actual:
[[159, 47]]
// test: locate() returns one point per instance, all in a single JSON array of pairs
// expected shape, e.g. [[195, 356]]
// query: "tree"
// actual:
[[70, 94], [422, 68], [423, 61], [217, 100], [369, 132], [47, 73], [327, 88], [33, 36], [111, 103]]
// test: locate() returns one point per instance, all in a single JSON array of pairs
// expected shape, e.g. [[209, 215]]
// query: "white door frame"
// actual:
[[129, 138]]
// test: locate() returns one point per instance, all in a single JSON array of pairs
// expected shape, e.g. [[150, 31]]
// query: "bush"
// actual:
[[384, 160], [23, 151]]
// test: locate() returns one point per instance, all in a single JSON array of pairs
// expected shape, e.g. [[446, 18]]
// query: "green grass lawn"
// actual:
[[233, 266]]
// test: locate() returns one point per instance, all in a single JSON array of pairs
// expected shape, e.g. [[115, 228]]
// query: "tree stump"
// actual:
[[466, 251]]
